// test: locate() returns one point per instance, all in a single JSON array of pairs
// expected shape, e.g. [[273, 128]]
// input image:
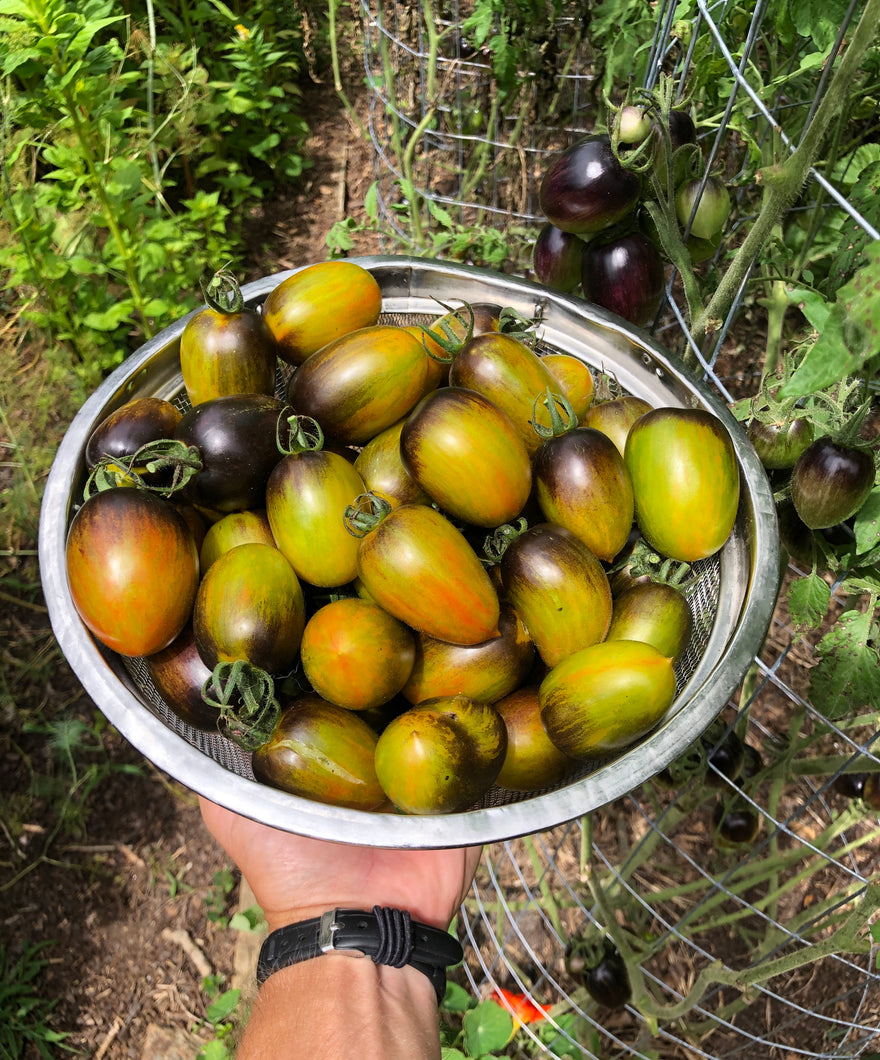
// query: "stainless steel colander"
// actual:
[[732, 602]]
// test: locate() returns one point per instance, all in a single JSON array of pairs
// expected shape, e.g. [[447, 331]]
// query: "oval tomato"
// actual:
[[830, 482], [685, 480], [468, 456], [178, 674], [250, 606], [441, 756], [236, 528], [582, 483], [706, 213], [319, 304], [605, 697], [575, 380], [511, 375], [558, 588], [361, 383], [532, 761], [380, 466], [417, 566], [556, 258], [653, 613], [126, 429], [132, 568], [625, 275], [486, 671], [236, 437], [586, 189], [355, 654], [306, 498], [779, 444], [322, 752], [615, 417], [227, 352]]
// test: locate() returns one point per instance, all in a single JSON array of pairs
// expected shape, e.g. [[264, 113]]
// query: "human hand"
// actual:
[[294, 878]]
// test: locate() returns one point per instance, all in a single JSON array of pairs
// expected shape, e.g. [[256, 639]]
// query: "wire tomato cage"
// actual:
[[744, 898]]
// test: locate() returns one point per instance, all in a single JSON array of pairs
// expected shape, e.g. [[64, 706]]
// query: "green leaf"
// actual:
[[224, 1006], [109, 319], [867, 523], [808, 600], [248, 920], [456, 998], [448, 1053], [487, 1028], [213, 1051], [847, 678]]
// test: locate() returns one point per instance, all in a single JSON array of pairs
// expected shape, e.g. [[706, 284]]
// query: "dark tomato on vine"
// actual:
[[124, 431], [235, 436], [726, 759], [682, 133], [582, 483], [556, 258], [468, 456], [794, 534], [830, 482], [132, 568], [624, 275], [736, 823], [318, 304], [607, 982], [685, 479], [850, 785], [705, 213], [361, 383], [585, 188], [779, 445]]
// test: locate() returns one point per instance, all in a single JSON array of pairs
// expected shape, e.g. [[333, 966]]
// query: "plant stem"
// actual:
[[784, 181]]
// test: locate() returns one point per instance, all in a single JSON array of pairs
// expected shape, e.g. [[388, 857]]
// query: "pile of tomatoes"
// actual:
[[599, 239], [408, 577]]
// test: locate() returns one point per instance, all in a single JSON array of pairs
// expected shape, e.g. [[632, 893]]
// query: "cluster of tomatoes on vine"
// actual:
[[605, 200]]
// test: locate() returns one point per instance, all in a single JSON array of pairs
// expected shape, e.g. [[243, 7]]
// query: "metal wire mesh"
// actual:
[[766, 949]]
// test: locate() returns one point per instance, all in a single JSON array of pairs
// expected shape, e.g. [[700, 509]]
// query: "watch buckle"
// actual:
[[327, 935]]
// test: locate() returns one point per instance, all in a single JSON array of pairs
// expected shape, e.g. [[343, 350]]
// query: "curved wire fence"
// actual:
[[767, 947]]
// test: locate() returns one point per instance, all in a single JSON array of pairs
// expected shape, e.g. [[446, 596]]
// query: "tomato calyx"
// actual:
[[445, 335], [562, 416], [516, 326], [365, 514], [641, 561], [498, 542], [222, 293], [245, 697], [304, 434], [163, 466]]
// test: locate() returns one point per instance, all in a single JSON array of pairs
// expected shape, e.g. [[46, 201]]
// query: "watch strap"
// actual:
[[388, 936]]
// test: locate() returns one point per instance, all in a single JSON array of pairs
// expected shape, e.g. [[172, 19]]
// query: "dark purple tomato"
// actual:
[[703, 214], [581, 483], [682, 132], [624, 275], [132, 568], [735, 823], [607, 982], [132, 425], [178, 674], [726, 760], [850, 785], [585, 188], [830, 482], [794, 535], [779, 445], [556, 258], [558, 587], [237, 441]]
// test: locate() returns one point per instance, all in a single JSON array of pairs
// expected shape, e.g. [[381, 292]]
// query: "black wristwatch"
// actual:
[[387, 936]]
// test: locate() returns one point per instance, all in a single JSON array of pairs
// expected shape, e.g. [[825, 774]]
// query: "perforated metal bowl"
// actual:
[[733, 601]]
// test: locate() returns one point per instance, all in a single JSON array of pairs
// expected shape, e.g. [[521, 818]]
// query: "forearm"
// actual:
[[337, 1006]]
